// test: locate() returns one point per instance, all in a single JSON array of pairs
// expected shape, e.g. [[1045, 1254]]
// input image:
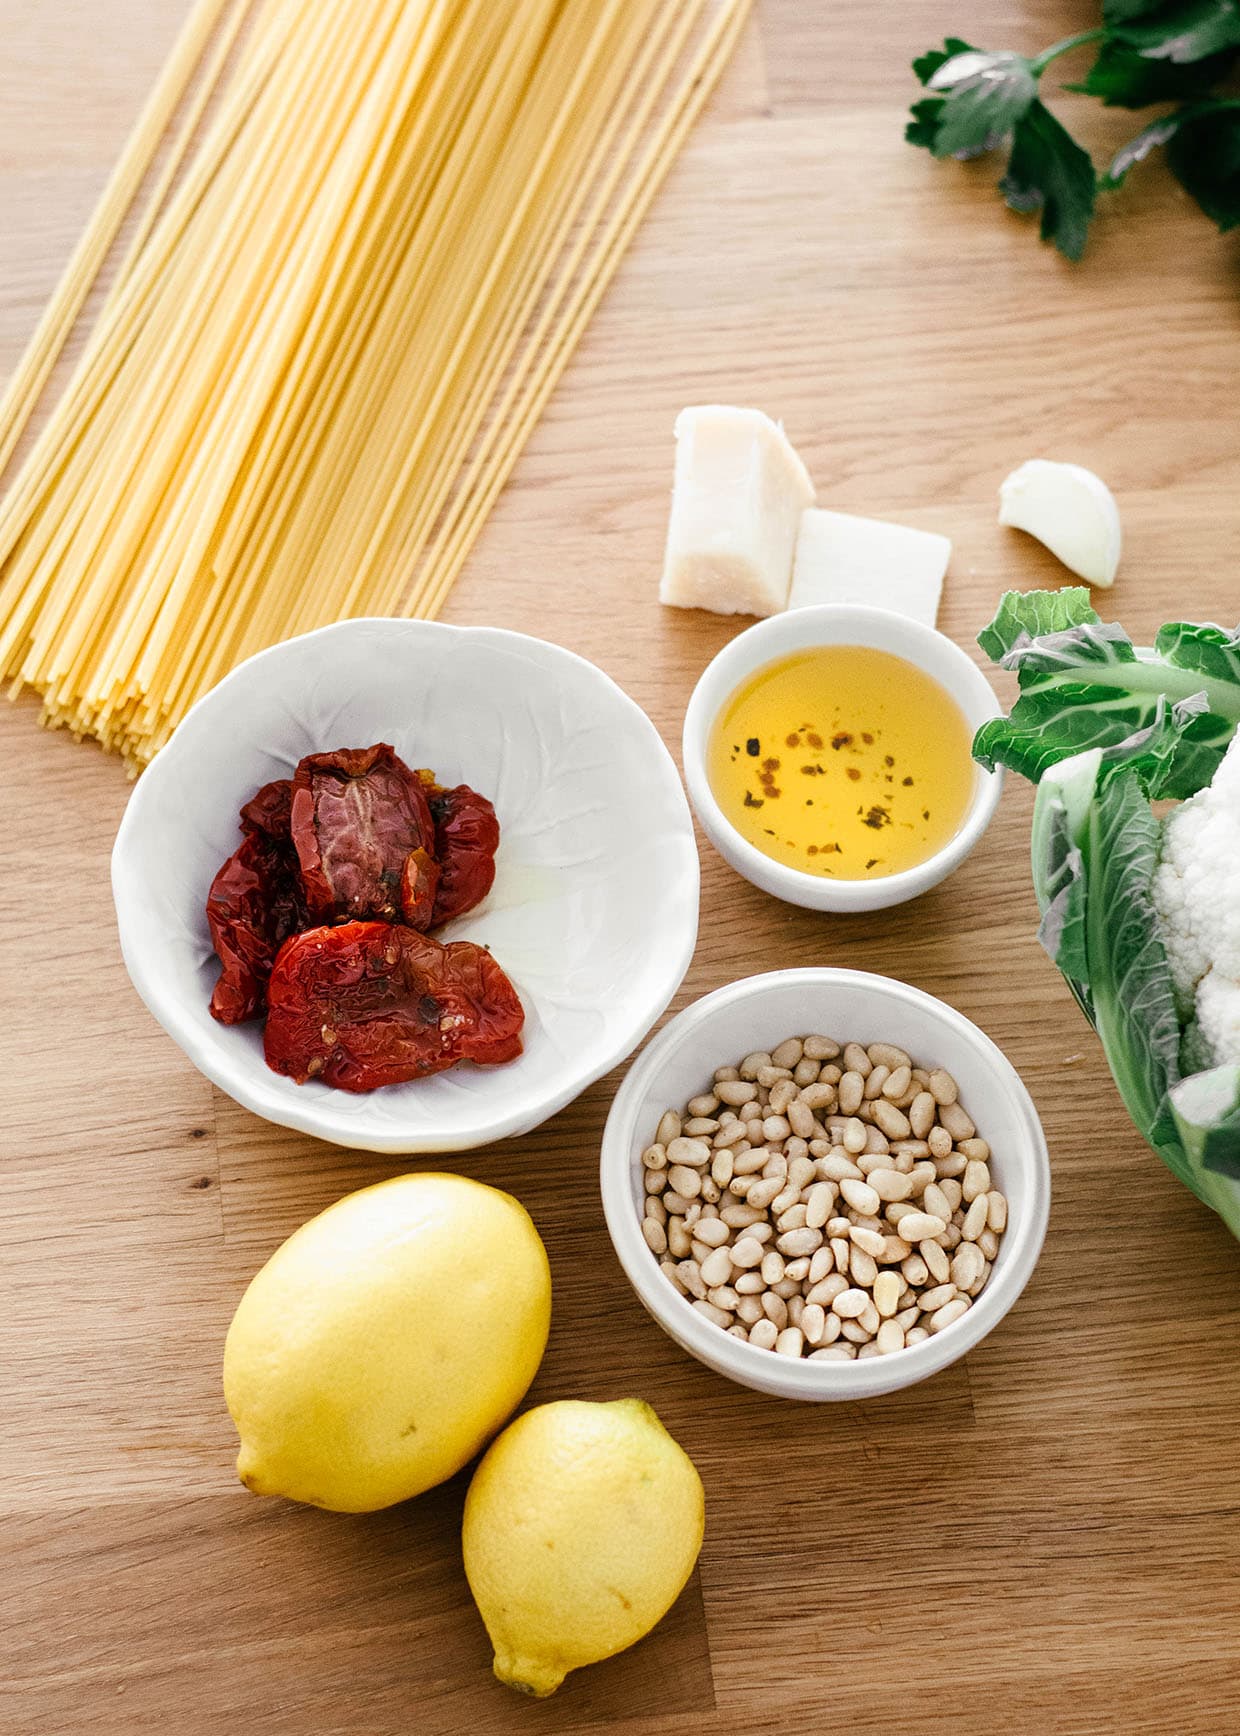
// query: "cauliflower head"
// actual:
[[1197, 899]]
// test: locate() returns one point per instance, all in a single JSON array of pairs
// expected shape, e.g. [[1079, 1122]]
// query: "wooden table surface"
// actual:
[[1042, 1539]]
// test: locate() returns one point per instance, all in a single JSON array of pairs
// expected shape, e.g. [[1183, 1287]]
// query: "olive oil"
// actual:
[[843, 761]]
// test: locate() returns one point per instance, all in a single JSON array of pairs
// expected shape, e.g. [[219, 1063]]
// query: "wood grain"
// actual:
[[1044, 1538]]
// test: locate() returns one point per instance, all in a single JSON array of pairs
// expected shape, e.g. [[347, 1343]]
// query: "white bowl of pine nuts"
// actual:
[[868, 1204]]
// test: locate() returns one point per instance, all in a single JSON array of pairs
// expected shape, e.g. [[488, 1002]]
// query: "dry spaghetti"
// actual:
[[363, 262]]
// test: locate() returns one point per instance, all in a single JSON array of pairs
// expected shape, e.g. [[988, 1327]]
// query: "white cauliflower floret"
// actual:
[[1197, 897]]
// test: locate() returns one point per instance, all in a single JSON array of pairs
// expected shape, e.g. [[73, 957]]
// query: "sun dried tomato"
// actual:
[[375, 1003], [365, 837], [270, 811], [254, 904], [466, 839]]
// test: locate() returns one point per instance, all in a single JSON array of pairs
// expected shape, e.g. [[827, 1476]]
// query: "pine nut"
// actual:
[[917, 1336], [957, 1123], [942, 1086], [813, 1322], [889, 1184], [750, 1283], [967, 1264], [820, 1264], [976, 1150], [739, 1217], [975, 1218], [841, 1249], [860, 1196], [893, 1122], [940, 1142], [655, 1236], [702, 1127], [856, 1060], [820, 1048], [889, 1337], [930, 1300], [875, 1081], [723, 1296], [949, 1167], [800, 1118], [747, 1252], [654, 1180], [669, 1128], [869, 1241], [854, 1332], [772, 1268], [976, 1181], [862, 1267], [722, 1073], [788, 1053], [748, 1068], [950, 1313], [887, 1288], [763, 1191], [936, 1260], [775, 1308], [801, 1241], [996, 1212], [764, 1333], [723, 1169], [850, 1094], [655, 1157], [749, 1310], [819, 1203], [837, 1166], [895, 1249], [679, 1239], [935, 1201], [790, 1342], [921, 1226], [691, 1278], [849, 1304], [717, 1267], [668, 1269], [897, 1082], [907, 1317], [827, 1289], [686, 1182], [735, 1092], [914, 1270], [834, 1353], [988, 1242], [921, 1114], [952, 1193], [771, 1075], [805, 1072]]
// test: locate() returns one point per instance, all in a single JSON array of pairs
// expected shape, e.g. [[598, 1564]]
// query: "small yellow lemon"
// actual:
[[582, 1524], [386, 1341]]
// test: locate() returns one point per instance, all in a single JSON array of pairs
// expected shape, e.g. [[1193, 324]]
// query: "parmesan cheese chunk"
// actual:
[[739, 494], [841, 559]]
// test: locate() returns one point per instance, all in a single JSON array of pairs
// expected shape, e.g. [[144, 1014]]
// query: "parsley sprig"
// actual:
[[1147, 52]]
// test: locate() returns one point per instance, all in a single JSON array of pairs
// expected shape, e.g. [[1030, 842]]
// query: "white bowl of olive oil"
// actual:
[[827, 755]]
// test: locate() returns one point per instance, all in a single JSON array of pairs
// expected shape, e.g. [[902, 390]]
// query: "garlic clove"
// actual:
[[1069, 509]]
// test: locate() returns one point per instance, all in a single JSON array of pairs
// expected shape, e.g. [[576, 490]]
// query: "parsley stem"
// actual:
[[1043, 60]]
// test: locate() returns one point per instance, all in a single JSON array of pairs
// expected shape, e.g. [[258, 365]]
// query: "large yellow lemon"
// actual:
[[386, 1341], [582, 1524]]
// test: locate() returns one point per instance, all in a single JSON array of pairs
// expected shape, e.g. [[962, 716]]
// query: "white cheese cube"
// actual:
[[739, 494], [842, 559]]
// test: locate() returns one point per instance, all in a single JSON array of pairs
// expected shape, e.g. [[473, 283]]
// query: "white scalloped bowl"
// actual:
[[594, 909]]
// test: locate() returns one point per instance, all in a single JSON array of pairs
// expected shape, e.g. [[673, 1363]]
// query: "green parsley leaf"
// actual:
[[978, 99], [1203, 153], [1048, 171], [1182, 31], [1124, 78]]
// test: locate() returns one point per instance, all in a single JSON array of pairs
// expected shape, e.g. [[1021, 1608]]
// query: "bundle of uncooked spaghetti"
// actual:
[[352, 278]]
